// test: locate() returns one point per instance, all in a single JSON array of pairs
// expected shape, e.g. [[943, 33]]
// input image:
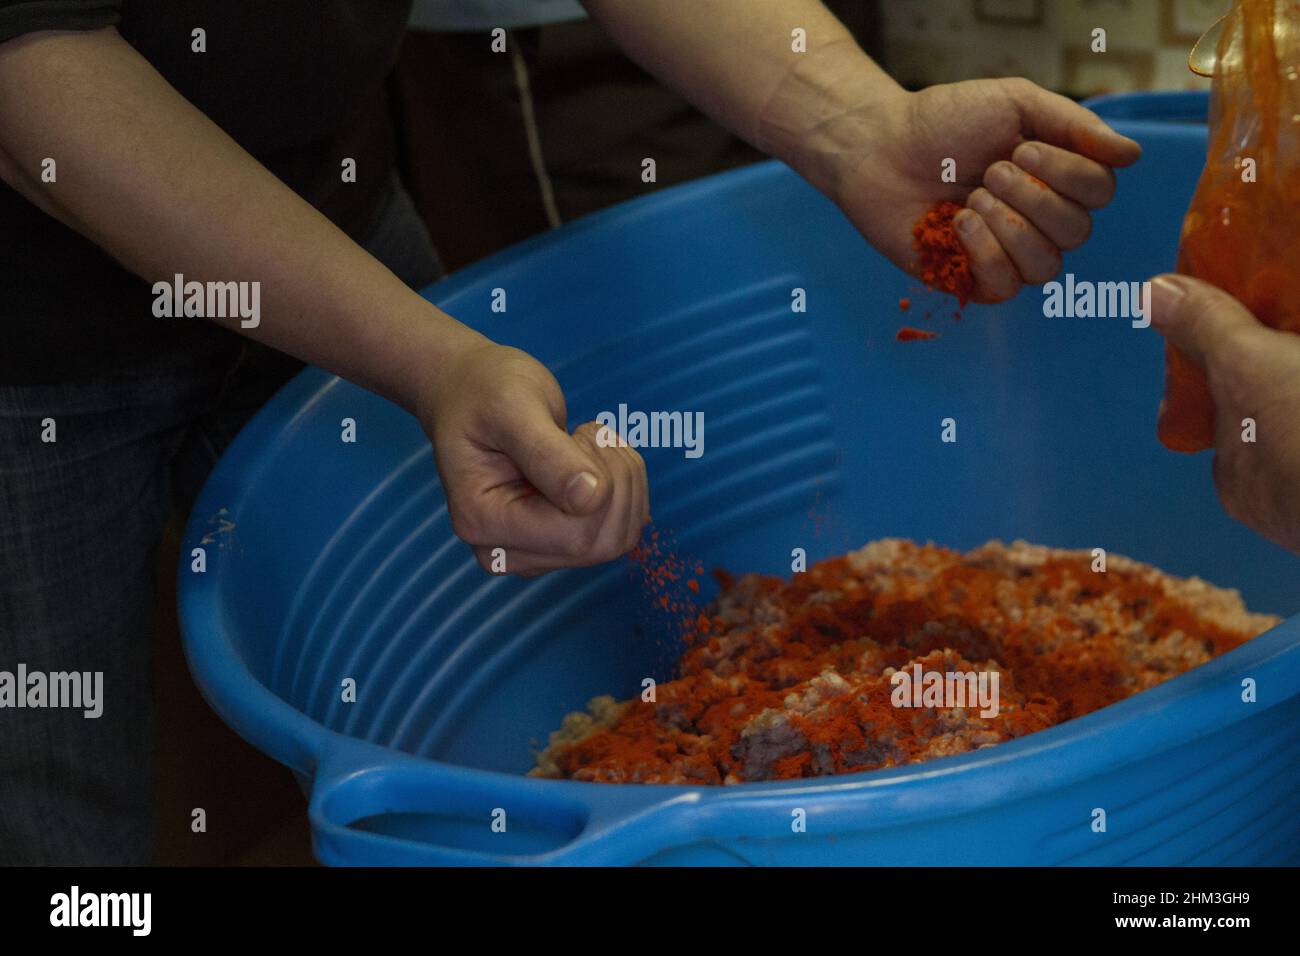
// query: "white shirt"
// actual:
[[486, 14]]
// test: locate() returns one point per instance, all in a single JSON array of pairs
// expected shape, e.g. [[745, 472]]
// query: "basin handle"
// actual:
[[586, 824]]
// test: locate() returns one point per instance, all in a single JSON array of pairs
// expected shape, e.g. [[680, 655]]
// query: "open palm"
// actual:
[[1027, 165]]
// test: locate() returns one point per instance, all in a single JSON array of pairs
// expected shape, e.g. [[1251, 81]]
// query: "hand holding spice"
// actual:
[[1030, 166], [517, 482]]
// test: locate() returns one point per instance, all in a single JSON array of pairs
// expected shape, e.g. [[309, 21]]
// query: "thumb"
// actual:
[[1199, 319], [1058, 120], [552, 461]]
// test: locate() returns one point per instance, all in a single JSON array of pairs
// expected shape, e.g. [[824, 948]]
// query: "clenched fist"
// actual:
[[516, 480]]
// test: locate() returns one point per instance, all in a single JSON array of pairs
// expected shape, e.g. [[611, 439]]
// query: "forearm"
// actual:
[[735, 60], [157, 185]]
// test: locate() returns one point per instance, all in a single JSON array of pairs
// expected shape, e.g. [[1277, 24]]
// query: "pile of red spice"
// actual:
[[942, 262], [791, 679]]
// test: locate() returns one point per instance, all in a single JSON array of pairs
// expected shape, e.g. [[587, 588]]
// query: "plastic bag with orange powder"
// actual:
[[1242, 232]]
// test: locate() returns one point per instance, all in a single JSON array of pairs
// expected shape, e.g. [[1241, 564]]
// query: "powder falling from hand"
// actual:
[[668, 580], [942, 262], [909, 334]]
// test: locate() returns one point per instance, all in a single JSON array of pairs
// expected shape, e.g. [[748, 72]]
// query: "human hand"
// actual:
[[516, 480], [1253, 373], [1030, 165]]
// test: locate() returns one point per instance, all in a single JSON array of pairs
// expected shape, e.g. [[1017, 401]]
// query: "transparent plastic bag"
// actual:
[[1242, 231]]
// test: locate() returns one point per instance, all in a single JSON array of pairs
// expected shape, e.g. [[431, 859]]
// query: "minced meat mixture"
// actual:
[[790, 679]]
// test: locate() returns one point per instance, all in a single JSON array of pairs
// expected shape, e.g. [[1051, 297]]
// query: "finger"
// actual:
[[515, 516], [996, 278], [629, 517], [1086, 181], [624, 533], [550, 459], [640, 482], [1205, 323], [1060, 121], [612, 540], [638, 504], [1061, 220], [643, 482], [1035, 257]]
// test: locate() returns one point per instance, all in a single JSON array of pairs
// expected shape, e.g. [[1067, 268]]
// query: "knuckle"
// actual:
[[995, 172], [1020, 150], [1044, 268], [1078, 232], [1007, 284], [1104, 191], [618, 545], [632, 538], [1229, 358], [603, 551], [1043, 271], [1197, 311], [635, 458], [466, 523], [512, 385], [598, 435], [1018, 86], [1231, 381], [534, 450]]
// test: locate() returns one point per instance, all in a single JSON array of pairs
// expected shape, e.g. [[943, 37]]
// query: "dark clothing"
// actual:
[[143, 406], [298, 83], [80, 524]]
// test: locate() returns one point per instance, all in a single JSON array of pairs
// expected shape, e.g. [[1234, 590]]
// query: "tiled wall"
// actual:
[[1048, 41]]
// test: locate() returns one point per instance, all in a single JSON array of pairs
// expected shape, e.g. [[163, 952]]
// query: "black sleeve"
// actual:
[[27, 16]]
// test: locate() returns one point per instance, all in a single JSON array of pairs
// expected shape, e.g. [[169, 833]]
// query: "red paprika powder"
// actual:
[[942, 262], [789, 679], [909, 334]]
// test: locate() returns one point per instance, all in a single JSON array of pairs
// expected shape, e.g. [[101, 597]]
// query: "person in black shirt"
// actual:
[[235, 142]]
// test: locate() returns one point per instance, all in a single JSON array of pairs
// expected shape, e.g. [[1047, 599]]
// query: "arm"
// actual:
[[162, 189], [875, 149], [736, 63]]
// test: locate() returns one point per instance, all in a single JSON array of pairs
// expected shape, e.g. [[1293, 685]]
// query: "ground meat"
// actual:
[[830, 672]]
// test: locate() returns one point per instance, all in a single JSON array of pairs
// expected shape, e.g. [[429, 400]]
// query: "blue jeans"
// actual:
[[80, 523]]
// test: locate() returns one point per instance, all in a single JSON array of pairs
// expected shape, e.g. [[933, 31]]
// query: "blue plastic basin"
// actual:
[[328, 560]]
